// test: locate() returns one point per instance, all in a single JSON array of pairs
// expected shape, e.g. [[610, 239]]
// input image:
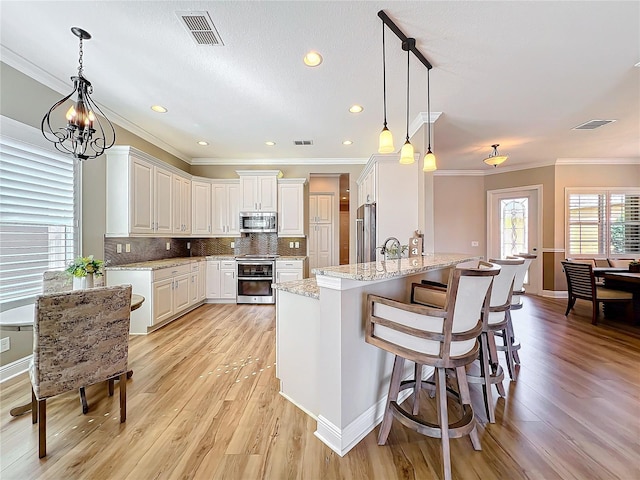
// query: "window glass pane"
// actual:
[[624, 221], [514, 213], [586, 223]]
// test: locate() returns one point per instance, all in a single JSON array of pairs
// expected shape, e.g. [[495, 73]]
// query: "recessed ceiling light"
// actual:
[[158, 108], [356, 108], [203, 143], [312, 59], [347, 142], [270, 143], [638, 64]]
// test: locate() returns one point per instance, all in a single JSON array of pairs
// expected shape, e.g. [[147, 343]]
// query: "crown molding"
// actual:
[[598, 161], [421, 119], [459, 173], [279, 161], [45, 78]]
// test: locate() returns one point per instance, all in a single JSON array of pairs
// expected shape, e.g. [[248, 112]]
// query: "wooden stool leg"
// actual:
[[594, 315], [465, 398], [443, 417], [123, 397], [493, 355], [417, 388], [83, 401], [486, 376], [394, 388], [34, 407], [42, 428], [110, 384]]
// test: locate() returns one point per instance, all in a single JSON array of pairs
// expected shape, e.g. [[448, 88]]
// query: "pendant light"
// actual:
[[83, 136], [385, 142], [494, 157], [406, 154], [429, 158]]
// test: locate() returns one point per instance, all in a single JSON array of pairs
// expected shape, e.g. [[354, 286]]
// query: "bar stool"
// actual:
[[442, 338], [516, 302]]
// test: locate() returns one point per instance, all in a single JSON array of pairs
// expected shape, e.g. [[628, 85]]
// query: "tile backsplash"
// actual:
[[145, 249]]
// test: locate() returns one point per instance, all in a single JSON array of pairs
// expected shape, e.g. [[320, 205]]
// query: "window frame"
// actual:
[[607, 192]]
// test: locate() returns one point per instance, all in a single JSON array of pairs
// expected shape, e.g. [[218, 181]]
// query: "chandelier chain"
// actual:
[[80, 59]]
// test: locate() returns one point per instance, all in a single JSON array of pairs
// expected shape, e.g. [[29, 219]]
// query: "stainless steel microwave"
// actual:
[[258, 222]]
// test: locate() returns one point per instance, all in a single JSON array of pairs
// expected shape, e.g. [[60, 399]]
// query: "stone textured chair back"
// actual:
[[56, 281], [80, 338]]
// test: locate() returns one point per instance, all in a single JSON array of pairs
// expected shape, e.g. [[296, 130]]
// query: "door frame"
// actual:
[[524, 190]]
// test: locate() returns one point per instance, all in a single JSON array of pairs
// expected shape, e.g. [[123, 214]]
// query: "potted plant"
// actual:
[[634, 266], [83, 269]]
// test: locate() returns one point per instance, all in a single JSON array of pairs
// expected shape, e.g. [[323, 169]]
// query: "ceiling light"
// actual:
[[429, 159], [83, 136], [406, 154], [356, 108], [159, 109], [270, 143], [494, 157], [347, 142], [385, 142], [312, 59], [203, 143]]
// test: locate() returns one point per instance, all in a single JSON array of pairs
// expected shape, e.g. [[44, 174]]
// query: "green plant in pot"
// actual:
[[634, 266], [83, 269]]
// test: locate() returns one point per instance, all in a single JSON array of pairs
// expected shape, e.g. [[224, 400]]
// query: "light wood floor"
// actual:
[[203, 403]]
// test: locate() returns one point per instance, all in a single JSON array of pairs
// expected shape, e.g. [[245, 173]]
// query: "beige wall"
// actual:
[[26, 100]]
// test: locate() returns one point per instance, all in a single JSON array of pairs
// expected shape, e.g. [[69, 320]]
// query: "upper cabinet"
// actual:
[[181, 205], [140, 194], [259, 190], [201, 207], [225, 199], [291, 211]]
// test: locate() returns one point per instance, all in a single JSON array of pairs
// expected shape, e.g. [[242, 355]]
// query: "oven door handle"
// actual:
[[255, 278]]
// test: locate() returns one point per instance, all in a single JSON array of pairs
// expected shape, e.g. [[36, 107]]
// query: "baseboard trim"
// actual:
[[13, 369], [555, 294]]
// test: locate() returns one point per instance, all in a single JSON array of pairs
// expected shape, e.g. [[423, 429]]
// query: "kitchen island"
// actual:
[[324, 365]]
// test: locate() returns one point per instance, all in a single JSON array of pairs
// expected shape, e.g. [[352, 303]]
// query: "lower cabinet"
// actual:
[[221, 280], [168, 292], [289, 270]]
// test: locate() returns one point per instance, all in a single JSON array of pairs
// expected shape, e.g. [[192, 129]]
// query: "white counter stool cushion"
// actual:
[[491, 372], [582, 284], [442, 338], [79, 338]]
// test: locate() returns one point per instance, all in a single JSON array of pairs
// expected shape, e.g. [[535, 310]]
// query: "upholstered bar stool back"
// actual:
[[441, 338], [518, 283]]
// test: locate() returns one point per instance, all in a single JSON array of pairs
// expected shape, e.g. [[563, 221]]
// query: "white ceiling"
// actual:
[[521, 74]]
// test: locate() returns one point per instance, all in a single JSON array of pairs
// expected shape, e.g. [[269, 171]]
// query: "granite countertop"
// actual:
[[381, 270], [157, 264], [291, 257], [307, 287]]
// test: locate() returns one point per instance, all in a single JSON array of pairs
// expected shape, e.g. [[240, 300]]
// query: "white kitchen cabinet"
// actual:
[[291, 207], [139, 194], [289, 270], [166, 291], [195, 281], [181, 205], [202, 280], [259, 190], [213, 279], [321, 227], [201, 207], [221, 280], [320, 208], [225, 195]]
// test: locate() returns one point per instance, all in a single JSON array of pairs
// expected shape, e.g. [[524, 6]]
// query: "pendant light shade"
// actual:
[[429, 158], [406, 154], [385, 142], [83, 136], [494, 157]]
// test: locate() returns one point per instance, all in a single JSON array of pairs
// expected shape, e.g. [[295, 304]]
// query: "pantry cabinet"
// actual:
[[259, 190]]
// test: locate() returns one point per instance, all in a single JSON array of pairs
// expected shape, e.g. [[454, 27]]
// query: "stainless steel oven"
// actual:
[[255, 275]]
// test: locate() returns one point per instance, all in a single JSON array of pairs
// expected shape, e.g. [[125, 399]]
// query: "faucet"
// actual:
[[394, 249]]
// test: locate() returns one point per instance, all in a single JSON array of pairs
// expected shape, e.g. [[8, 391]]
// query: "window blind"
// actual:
[[603, 223], [37, 217]]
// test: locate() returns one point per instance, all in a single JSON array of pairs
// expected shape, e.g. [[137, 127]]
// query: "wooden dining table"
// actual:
[[630, 282], [21, 318]]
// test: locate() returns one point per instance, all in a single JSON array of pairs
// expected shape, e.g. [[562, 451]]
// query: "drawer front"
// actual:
[[171, 272], [227, 265], [289, 264]]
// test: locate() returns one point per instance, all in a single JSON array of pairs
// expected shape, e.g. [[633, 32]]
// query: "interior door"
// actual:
[[514, 226]]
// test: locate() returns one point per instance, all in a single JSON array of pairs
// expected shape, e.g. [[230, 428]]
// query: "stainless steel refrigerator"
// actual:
[[366, 233]]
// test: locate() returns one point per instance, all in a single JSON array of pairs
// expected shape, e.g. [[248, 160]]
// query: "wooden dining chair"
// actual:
[[79, 338], [441, 338], [581, 284]]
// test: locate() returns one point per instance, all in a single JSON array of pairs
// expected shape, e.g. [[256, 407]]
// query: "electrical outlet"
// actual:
[[233, 244], [119, 248], [297, 244], [188, 245], [475, 243], [290, 244], [168, 245], [127, 247], [5, 344]]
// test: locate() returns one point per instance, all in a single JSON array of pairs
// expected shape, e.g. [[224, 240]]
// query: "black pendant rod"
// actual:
[[405, 40]]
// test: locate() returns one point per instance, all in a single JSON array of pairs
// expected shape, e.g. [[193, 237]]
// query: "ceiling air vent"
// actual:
[[592, 124], [303, 142], [201, 28]]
